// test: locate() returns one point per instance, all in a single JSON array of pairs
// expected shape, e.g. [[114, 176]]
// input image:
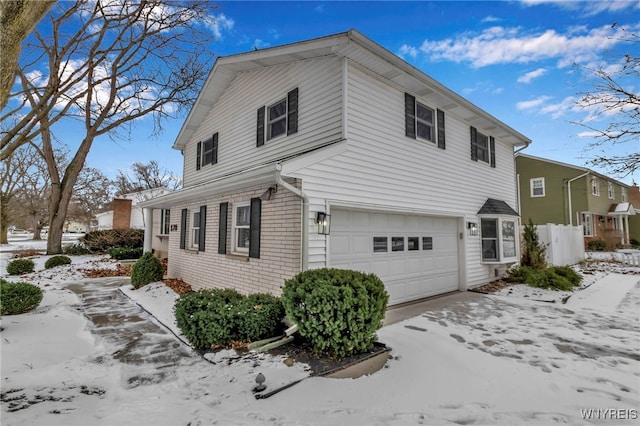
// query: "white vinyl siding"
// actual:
[[384, 169], [234, 116]]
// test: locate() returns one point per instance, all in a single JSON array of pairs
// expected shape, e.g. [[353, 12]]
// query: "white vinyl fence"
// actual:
[[565, 244]]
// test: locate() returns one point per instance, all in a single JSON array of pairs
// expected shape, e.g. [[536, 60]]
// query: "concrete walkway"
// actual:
[[408, 310]]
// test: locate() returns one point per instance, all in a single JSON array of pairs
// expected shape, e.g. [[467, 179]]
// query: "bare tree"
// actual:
[[615, 98], [91, 194], [13, 171], [106, 64], [145, 176], [17, 19]]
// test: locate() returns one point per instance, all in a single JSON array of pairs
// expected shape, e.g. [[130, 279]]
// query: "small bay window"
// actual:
[[499, 242]]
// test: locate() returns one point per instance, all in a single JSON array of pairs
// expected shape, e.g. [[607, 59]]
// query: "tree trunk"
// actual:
[[4, 222]]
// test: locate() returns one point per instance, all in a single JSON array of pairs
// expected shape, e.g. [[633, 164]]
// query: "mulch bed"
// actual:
[[492, 287], [300, 351]]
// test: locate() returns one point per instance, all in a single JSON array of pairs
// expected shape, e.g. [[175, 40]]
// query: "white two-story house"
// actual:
[[334, 152]]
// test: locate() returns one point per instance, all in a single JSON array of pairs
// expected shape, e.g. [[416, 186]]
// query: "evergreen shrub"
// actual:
[[18, 298], [76, 250], [147, 269], [20, 266], [555, 278], [220, 316], [596, 245], [58, 260], [124, 253], [337, 310]]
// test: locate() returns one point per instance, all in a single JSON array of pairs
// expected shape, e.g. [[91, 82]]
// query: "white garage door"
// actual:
[[415, 256]]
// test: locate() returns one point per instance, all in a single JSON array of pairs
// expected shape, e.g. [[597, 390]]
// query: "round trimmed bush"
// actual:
[[147, 269], [57, 260], [20, 266], [218, 317], [337, 310], [18, 298], [76, 250]]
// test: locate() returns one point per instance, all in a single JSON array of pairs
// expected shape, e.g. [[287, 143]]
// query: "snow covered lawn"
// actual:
[[503, 359]]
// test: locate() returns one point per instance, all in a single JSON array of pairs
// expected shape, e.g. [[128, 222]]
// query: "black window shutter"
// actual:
[[410, 115], [198, 155], [292, 112], [492, 148], [183, 229], [441, 133], [222, 229], [254, 228], [260, 131], [203, 228], [474, 144], [215, 149]]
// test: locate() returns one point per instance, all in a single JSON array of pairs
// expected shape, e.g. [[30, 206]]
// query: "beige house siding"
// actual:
[[280, 246]]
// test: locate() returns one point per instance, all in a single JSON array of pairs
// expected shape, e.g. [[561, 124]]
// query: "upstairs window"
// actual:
[[423, 122], [207, 152], [483, 147], [537, 187], [595, 186], [623, 194], [278, 119], [610, 191]]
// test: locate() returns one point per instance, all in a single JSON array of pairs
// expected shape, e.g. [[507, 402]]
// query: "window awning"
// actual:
[[497, 207]]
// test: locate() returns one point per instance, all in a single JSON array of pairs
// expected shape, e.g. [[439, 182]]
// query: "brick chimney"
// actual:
[[121, 213]]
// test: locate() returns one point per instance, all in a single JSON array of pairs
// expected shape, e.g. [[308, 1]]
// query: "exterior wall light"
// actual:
[[323, 221], [472, 228]]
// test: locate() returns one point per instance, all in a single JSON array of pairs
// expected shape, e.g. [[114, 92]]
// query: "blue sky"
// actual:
[[515, 59]]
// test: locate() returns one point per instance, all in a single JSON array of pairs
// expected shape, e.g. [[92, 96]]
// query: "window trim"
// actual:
[[595, 186], [500, 239], [587, 232], [491, 147], [269, 123], [235, 227], [194, 241], [532, 187], [165, 219], [623, 194], [611, 193]]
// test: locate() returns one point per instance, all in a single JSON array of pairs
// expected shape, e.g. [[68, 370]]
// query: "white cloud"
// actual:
[[559, 109], [407, 50], [534, 103], [500, 45], [260, 44], [491, 19], [219, 24], [528, 77]]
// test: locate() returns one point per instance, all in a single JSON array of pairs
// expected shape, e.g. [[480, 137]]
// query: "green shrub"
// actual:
[[123, 253], [554, 278], [18, 298], [20, 266], [76, 250], [338, 311], [634, 243], [533, 251], [217, 317], [147, 269], [102, 241], [596, 245], [58, 260]]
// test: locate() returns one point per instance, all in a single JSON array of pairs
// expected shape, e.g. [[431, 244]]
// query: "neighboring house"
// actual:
[[334, 152], [560, 193], [634, 221], [127, 213]]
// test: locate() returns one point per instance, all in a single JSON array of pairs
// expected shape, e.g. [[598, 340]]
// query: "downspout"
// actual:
[[515, 154], [305, 214], [569, 195]]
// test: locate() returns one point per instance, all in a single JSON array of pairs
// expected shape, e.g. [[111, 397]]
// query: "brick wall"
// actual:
[[280, 245], [121, 213]]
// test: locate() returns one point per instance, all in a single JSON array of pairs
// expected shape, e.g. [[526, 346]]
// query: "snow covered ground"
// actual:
[[502, 359]]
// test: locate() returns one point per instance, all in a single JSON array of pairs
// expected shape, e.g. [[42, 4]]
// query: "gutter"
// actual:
[[305, 214], [569, 195]]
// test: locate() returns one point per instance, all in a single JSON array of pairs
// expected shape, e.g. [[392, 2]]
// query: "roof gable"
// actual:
[[358, 48]]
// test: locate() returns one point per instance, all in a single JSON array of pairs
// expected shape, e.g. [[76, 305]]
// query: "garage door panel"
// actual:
[[407, 274]]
